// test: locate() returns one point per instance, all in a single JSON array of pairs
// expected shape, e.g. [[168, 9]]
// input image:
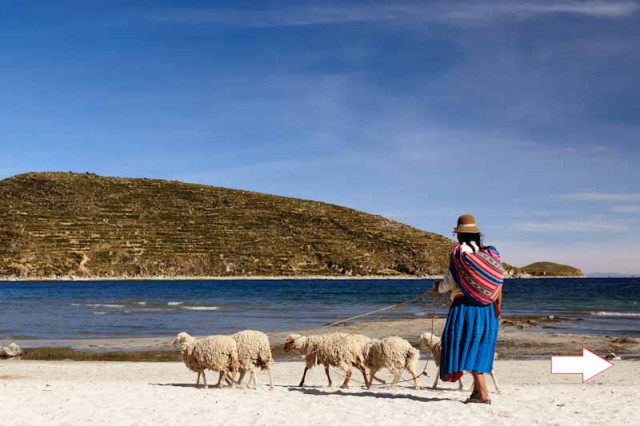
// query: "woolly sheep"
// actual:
[[253, 351], [216, 353], [363, 340], [432, 343], [334, 349], [393, 353]]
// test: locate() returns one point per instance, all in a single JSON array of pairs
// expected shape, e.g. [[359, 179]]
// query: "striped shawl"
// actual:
[[479, 275]]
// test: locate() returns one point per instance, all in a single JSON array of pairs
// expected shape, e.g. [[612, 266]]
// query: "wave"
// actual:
[[615, 314], [174, 303], [98, 313], [105, 305], [200, 308], [142, 303]]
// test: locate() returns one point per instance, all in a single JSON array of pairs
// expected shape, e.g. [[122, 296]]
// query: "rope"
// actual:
[[396, 305], [434, 300]]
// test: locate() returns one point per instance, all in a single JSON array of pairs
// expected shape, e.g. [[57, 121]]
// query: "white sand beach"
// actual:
[[70, 393]]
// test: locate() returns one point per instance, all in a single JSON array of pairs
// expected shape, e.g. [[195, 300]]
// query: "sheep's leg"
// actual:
[[198, 381], [372, 373], [460, 384], [242, 374], [326, 371], [396, 379], [364, 374], [379, 380], [223, 377], [270, 379], [204, 378], [416, 386], [345, 384], [255, 378], [227, 379], [252, 379], [435, 382], [303, 377], [495, 381]]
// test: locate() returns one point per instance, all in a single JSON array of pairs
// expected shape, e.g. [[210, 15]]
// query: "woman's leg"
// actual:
[[479, 387]]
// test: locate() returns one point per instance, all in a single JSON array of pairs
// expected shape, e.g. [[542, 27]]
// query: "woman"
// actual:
[[474, 279]]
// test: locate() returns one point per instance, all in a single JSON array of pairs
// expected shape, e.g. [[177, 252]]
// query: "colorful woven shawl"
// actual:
[[479, 275]]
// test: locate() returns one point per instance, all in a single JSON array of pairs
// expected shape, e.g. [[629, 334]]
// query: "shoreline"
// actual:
[[259, 278], [519, 338]]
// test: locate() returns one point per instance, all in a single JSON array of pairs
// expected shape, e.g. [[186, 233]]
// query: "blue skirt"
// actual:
[[468, 340]]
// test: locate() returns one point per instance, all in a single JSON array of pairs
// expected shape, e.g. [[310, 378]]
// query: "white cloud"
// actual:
[[603, 196], [601, 9], [570, 226], [626, 209], [334, 14]]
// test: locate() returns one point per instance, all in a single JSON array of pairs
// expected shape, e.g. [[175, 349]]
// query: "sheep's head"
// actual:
[[366, 349], [428, 341], [294, 343], [182, 339]]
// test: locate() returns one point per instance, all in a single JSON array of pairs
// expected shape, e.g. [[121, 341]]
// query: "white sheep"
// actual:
[[393, 353], [216, 353], [362, 341], [253, 351], [432, 343], [339, 350]]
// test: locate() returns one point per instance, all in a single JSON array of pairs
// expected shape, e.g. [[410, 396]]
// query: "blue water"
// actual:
[[108, 309]]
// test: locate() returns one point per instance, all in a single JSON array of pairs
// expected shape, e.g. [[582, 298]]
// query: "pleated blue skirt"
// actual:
[[468, 340]]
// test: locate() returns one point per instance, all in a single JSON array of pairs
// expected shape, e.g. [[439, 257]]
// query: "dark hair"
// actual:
[[468, 237]]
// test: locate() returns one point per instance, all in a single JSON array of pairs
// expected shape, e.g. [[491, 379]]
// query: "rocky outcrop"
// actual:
[[11, 351]]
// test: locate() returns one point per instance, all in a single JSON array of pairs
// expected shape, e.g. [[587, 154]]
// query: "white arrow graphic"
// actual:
[[589, 364]]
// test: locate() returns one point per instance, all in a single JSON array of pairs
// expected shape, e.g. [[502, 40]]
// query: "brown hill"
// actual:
[[545, 269], [68, 224]]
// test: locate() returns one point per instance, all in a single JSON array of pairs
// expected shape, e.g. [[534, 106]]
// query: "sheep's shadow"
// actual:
[[186, 385], [384, 395]]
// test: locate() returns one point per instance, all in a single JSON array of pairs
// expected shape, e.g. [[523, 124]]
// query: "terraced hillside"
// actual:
[[67, 224]]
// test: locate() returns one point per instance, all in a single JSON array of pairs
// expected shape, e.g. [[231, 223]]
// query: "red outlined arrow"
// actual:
[[588, 364]]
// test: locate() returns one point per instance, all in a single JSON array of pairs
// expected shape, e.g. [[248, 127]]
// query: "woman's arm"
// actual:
[[497, 303]]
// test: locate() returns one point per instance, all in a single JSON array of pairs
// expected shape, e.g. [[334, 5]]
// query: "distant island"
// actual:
[[73, 225], [542, 269]]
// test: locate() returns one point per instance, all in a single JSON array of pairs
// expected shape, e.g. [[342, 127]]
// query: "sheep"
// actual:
[[393, 353], [253, 351], [363, 340], [216, 353], [432, 343], [334, 349]]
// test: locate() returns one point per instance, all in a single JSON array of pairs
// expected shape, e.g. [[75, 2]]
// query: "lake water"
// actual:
[[107, 309]]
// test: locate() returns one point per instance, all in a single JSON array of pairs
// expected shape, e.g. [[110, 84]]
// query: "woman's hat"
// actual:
[[466, 224]]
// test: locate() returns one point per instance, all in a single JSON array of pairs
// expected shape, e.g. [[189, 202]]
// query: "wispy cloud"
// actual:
[[570, 226], [626, 209], [493, 10], [282, 17], [603, 197], [417, 12]]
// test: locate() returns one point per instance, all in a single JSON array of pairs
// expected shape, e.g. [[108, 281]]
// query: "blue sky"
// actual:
[[524, 113]]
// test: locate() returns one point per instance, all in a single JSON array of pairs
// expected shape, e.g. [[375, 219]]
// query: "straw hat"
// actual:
[[467, 224]]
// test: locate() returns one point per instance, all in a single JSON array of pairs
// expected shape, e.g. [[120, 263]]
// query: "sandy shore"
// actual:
[[517, 340], [72, 393]]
